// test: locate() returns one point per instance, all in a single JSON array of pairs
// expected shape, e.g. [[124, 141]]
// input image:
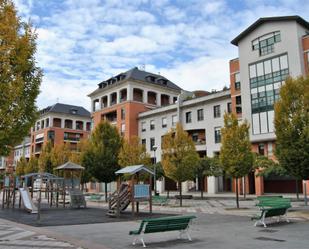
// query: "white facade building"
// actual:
[[201, 117]]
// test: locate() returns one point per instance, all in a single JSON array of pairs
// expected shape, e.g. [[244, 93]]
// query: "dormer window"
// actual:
[[151, 78], [162, 81], [73, 111], [265, 43]]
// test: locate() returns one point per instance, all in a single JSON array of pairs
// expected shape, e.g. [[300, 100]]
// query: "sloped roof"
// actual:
[[133, 169], [70, 166], [66, 109], [140, 75], [262, 20]]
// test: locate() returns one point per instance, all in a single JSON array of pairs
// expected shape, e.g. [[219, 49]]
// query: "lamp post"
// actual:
[[155, 169]]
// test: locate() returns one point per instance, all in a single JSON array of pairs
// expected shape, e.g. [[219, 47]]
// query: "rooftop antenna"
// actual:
[[57, 100]]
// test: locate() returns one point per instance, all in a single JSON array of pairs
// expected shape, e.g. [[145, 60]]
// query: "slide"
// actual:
[[28, 203]]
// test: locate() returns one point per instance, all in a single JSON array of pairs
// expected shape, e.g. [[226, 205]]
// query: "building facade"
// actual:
[[201, 117], [270, 50], [60, 124], [22, 150], [121, 98]]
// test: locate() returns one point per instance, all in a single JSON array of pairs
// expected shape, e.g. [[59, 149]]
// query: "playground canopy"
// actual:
[[70, 166], [131, 170]]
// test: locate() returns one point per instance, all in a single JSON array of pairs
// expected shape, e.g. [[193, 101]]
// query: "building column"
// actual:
[[212, 185], [158, 98], [307, 186], [259, 184], [145, 95], [129, 93]]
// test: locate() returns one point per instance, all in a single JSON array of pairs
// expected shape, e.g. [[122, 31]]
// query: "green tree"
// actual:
[[179, 158], [292, 127], [45, 160], [133, 152], [235, 155], [19, 76], [102, 155], [60, 154], [32, 166], [208, 166], [21, 166]]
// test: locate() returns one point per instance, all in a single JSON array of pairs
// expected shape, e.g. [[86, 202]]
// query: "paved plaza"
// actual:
[[218, 225]]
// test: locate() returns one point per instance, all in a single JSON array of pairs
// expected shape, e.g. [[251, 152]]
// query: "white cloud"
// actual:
[[81, 43]]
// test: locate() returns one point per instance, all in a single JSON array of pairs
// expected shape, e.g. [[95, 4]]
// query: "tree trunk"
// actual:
[[180, 193], [237, 195], [297, 189], [305, 193], [244, 187], [202, 187], [105, 183]]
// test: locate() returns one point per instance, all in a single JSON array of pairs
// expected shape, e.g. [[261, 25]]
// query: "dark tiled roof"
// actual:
[[262, 20], [140, 75], [66, 109]]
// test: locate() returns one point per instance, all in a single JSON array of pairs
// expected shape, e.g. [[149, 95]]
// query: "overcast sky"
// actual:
[[83, 42]]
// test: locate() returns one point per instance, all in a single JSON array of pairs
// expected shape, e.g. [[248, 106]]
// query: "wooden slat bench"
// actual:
[[165, 224], [272, 207]]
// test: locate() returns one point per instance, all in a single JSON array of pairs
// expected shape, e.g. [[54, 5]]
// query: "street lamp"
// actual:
[[154, 148]]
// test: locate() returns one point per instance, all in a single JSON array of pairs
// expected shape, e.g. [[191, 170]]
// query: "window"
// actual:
[[229, 107], [270, 149], [47, 122], [152, 124], [123, 129], [152, 143], [237, 81], [188, 117], [200, 115], [265, 43], [174, 120], [143, 126], [217, 135], [164, 122], [238, 100], [217, 112], [123, 114], [144, 141]]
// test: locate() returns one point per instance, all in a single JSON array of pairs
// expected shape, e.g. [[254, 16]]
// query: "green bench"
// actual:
[[272, 207], [159, 200], [165, 224], [95, 197]]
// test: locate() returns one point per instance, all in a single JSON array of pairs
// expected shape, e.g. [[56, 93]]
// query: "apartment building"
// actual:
[[59, 124], [22, 150], [121, 98], [201, 117], [270, 50]]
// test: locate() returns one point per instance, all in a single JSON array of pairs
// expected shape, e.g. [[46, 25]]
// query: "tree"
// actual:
[[292, 127], [19, 76], [208, 166], [179, 158], [133, 153], [235, 155], [60, 154], [102, 155], [32, 166], [21, 166], [45, 160]]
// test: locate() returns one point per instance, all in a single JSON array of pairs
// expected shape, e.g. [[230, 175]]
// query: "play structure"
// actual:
[[52, 188], [132, 191]]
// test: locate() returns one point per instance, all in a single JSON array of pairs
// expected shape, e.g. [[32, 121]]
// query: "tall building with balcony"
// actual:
[[270, 50], [60, 124], [121, 98]]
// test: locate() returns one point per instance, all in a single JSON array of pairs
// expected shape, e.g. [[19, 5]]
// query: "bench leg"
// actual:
[[134, 240], [142, 240], [188, 235]]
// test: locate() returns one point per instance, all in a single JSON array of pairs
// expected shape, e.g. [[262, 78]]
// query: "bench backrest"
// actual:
[[275, 202], [166, 224]]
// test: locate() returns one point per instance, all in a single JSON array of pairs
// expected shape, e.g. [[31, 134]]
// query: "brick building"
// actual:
[[60, 124]]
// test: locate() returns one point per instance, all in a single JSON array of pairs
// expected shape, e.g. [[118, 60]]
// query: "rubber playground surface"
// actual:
[[68, 216]]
